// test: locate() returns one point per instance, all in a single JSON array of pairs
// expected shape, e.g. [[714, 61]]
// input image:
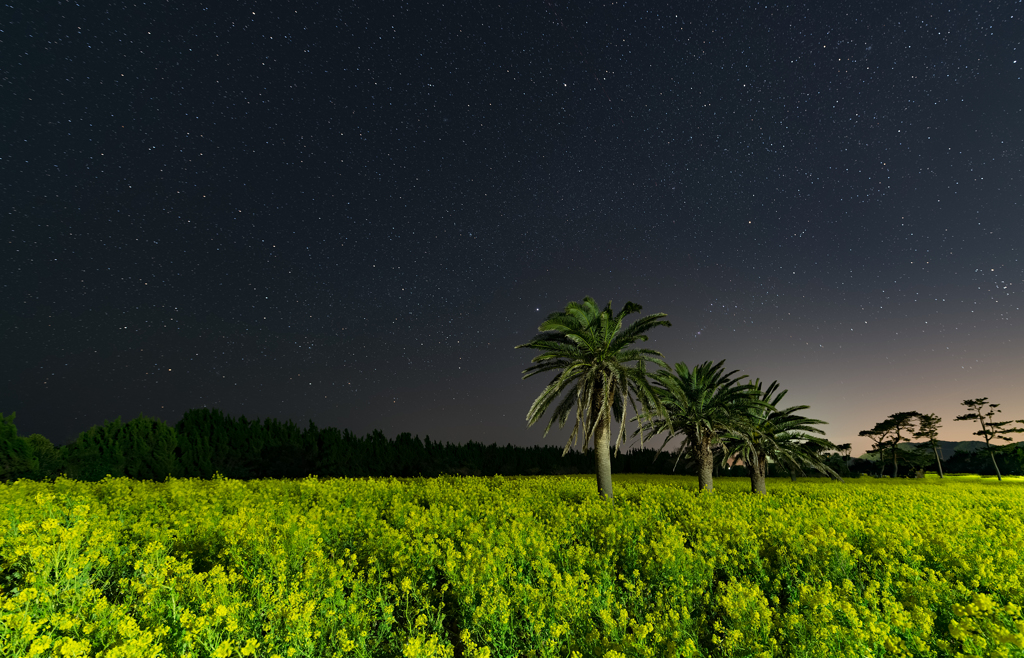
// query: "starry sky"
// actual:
[[351, 212]]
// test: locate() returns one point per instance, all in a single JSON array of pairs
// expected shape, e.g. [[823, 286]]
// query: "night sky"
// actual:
[[351, 212]]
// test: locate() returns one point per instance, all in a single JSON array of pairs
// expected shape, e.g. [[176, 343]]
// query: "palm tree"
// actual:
[[591, 356], [702, 404], [780, 435]]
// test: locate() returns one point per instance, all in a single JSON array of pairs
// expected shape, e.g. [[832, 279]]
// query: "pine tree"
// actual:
[[990, 428]]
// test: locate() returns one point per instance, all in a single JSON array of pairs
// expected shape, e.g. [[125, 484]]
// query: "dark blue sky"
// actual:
[[350, 212]]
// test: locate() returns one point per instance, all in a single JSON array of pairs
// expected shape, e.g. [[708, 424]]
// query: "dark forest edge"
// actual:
[[207, 442]]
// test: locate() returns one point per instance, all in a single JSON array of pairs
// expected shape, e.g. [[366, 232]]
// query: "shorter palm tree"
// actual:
[[779, 435], [702, 405]]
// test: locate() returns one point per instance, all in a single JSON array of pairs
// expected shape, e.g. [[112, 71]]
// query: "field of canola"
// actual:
[[511, 567]]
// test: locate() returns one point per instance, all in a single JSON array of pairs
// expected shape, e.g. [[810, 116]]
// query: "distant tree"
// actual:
[[903, 425], [32, 457], [194, 456], [990, 429], [600, 372], [149, 448], [879, 438], [888, 434], [702, 404], [44, 455], [96, 453], [780, 435], [333, 447], [285, 450], [142, 448], [15, 452], [928, 428], [845, 449], [1013, 458], [210, 441]]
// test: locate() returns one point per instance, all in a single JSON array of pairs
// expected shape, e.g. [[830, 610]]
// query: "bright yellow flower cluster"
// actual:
[[493, 567]]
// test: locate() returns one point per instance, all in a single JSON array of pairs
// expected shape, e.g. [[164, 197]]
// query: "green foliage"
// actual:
[[31, 457], [329, 452], [8, 430], [990, 429], [702, 404], [1011, 460], [510, 567], [15, 452], [887, 435], [96, 453], [46, 456], [928, 429], [210, 441], [143, 449], [194, 456], [149, 445], [591, 355], [343, 454], [778, 435], [589, 351]]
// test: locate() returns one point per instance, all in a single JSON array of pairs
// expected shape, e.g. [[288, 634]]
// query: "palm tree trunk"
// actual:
[[602, 458], [758, 475], [938, 462], [705, 466]]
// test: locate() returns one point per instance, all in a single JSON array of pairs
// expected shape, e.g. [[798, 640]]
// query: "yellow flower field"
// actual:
[[511, 567]]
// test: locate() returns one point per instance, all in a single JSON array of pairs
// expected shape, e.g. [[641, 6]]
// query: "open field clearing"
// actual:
[[512, 567]]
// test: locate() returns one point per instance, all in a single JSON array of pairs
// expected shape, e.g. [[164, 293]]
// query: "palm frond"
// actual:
[[598, 372]]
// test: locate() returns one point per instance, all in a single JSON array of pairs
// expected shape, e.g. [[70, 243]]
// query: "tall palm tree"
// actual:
[[702, 404], [600, 372], [781, 435]]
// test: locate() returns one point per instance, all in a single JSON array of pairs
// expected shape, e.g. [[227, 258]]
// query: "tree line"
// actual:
[[208, 441]]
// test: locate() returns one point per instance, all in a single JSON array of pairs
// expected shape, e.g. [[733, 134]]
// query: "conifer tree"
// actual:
[[990, 428], [928, 429]]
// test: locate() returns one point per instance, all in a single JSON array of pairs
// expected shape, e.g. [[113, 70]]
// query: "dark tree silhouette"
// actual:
[[928, 428], [990, 428], [888, 434]]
